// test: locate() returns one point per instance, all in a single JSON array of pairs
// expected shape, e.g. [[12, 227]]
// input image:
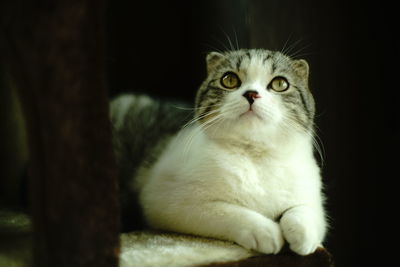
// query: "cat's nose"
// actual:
[[251, 95]]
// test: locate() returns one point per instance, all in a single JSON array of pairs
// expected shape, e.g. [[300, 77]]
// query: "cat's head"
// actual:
[[255, 90]]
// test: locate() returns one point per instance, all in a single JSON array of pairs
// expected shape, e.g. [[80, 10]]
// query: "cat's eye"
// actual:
[[279, 84], [230, 80]]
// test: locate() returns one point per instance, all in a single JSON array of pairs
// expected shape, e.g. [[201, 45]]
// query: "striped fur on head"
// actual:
[[256, 68]]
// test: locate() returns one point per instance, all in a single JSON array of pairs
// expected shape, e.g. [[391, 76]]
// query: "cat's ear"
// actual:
[[301, 68], [212, 60]]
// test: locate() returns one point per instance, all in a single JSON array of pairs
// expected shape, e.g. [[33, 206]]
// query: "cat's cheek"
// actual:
[[300, 232]]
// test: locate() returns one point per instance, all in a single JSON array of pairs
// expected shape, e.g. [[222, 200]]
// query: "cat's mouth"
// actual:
[[250, 114]]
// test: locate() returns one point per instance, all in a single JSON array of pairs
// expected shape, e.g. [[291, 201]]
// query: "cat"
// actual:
[[243, 169]]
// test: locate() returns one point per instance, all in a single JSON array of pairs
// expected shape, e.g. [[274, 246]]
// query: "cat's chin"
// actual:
[[250, 115]]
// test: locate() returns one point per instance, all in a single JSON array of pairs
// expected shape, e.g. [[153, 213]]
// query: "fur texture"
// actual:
[[148, 249], [243, 169]]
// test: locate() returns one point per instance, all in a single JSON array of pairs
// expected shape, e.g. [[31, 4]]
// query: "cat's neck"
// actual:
[[272, 145]]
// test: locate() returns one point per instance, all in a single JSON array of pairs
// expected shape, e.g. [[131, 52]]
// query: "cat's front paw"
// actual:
[[300, 234], [265, 237]]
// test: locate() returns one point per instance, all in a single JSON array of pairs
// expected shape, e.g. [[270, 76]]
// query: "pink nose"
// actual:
[[251, 95]]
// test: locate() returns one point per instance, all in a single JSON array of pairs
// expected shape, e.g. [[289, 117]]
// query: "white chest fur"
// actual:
[[210, 180], [252, 176]]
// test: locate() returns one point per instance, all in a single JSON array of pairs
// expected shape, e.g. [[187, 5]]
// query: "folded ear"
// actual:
[[301, 68], [212, 60]]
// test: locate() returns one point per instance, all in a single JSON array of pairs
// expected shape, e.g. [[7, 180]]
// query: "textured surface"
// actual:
[[152, 249], [161, 249], [156, 249], [15, 239]]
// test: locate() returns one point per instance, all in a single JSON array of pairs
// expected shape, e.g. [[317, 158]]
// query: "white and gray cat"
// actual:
[[243, 169]]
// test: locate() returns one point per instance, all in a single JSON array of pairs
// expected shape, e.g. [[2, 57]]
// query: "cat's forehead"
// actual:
[[257, 58]]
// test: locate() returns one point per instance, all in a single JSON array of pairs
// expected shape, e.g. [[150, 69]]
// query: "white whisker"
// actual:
[[203, 127], [292, 46], [213, 48], [232, 48], [184, 108], [236, 38], [197, 118], [225, 48], [195, 108], [290, 123], [298, 53], [284, 45], [199, 128]]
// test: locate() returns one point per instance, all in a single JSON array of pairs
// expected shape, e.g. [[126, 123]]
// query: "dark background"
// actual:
[[158, 47]]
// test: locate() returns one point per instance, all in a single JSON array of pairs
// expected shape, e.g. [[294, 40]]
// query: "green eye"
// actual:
[[230, 80], [279, 84]]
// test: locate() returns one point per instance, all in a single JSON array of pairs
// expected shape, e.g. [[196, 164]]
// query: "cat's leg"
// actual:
[[225, 221], [303, 228]]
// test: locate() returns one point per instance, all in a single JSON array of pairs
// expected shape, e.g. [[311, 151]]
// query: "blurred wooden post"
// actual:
[[55, 52]]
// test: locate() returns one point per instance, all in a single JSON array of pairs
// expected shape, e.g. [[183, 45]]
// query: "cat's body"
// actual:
[[244, 169]]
